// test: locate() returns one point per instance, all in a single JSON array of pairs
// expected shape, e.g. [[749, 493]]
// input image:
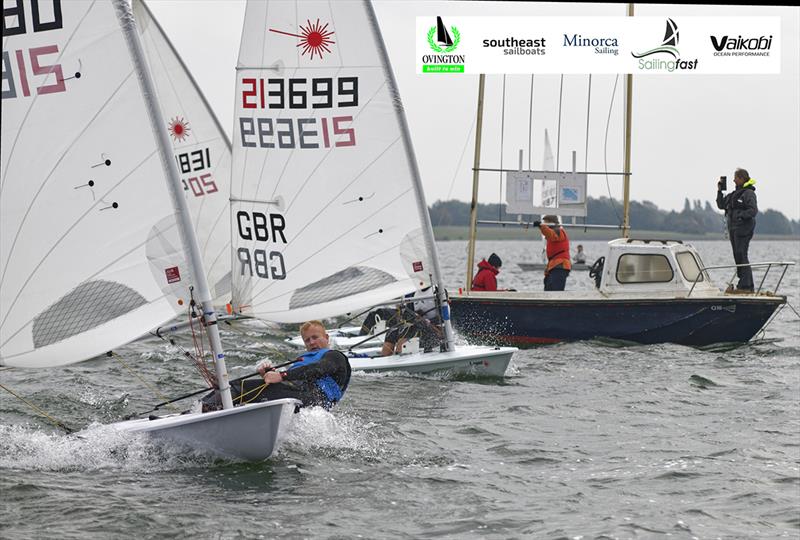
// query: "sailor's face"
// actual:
[[315, 338]]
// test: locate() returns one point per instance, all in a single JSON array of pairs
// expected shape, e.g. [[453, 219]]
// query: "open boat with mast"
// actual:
[[647, 291], [329, 215], [96, 242]]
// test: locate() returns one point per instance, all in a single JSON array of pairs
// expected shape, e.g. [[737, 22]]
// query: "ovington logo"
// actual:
[[443, 41]]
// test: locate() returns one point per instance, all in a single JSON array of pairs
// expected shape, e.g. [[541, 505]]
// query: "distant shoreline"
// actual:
[[518, 232]]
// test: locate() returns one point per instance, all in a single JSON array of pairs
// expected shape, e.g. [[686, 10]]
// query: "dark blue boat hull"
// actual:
[[687, 321]]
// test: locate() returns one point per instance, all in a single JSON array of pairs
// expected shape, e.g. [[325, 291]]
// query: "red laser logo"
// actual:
[[179, 129], [314, 38]]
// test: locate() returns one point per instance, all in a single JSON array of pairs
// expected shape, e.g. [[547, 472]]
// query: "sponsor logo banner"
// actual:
[[451, 44]]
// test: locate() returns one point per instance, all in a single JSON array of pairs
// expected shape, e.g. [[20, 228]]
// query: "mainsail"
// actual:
[[90, 252], [324, 213], [202, 150]]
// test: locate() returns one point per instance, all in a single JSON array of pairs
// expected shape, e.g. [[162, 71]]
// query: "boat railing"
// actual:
[[784, 264]]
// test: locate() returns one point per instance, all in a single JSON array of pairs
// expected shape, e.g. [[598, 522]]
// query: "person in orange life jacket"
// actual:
[[319, 377], [740, 207], [485, 279], [558, 263]]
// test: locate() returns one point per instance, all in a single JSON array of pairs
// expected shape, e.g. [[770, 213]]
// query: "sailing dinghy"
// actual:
[[329, 215], [96, 243]]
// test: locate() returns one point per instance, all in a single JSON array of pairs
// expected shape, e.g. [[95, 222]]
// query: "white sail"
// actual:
[[90, 252], [324, 211], [202, 150]]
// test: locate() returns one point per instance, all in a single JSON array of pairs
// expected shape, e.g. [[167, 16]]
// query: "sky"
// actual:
[[688, 130]]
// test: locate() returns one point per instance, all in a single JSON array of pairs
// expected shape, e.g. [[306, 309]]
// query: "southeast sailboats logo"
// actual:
[[669, 46], [314, 38], [441, 41]]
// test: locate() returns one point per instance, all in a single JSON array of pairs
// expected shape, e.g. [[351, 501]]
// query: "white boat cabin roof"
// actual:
[[669, 266]]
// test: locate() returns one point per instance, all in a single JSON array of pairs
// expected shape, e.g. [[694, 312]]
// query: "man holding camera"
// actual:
[[740, 214]]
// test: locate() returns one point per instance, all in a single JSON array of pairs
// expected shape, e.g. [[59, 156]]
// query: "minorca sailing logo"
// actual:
[[314, 38], [739, 46], [669, 46], [443, 43], [443, 37], [600, 45]]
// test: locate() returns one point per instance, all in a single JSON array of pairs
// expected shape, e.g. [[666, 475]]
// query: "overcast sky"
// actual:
[[687, 129]]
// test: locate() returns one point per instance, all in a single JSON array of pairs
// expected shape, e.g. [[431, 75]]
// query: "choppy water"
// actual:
[[581, 440]]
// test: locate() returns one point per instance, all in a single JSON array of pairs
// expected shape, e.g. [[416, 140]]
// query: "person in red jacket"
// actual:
[[485, 279]]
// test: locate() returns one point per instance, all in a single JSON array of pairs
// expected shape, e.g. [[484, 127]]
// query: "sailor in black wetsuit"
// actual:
[[319, 377]]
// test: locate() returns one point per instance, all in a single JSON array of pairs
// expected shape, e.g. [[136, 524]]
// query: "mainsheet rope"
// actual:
[[39, 411]]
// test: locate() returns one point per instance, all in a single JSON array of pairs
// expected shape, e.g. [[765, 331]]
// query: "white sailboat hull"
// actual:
[[248, 432], [468, 360]]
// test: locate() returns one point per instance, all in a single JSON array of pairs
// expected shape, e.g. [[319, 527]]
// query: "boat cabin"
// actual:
[[648, 266]]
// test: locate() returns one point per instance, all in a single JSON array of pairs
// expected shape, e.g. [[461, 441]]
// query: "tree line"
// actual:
[[695, 218]]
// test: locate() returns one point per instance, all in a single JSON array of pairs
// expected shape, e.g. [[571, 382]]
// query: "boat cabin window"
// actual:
[[689, 266], [642, 268]]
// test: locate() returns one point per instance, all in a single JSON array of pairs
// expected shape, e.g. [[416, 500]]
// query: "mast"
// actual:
[[126, 21], [425, 218], [476, 165], [626, 179]]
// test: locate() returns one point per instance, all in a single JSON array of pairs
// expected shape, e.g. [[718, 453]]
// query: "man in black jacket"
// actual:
[[318, 377], [740, 214]]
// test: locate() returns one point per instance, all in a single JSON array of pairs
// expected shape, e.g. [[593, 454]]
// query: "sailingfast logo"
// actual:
[[443, 42], [668, 47], [740, 46]]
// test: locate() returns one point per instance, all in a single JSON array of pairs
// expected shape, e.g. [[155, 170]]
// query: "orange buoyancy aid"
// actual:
[[557, 248]]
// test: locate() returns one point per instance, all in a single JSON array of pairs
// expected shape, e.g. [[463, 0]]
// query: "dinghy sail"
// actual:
[[201, 148], [327, 207], [91, 253], [97, 242], [324, 206]]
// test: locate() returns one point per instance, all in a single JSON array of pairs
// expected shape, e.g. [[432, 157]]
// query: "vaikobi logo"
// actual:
[[668, 47], [443, 42], [739, 46]]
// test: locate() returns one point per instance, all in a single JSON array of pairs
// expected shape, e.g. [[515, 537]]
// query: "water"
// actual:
[[582, 440]]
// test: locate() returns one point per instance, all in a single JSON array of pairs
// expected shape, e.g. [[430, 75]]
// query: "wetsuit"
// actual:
[[321, 382]]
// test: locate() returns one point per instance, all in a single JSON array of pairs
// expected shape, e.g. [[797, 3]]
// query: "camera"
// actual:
[[723, 183]]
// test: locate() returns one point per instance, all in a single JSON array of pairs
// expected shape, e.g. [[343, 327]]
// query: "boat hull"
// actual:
[[248, 432], [467, 360], [687, 321]]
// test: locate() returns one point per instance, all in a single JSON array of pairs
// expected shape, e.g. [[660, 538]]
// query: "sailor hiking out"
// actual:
[[319, 377]]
